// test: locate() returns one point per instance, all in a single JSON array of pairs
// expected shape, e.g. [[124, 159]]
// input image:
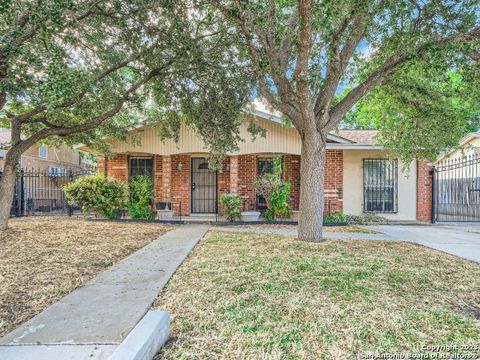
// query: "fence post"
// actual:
[[70, 207]]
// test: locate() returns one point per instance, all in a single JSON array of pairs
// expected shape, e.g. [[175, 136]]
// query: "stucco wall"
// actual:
[[353, 185]]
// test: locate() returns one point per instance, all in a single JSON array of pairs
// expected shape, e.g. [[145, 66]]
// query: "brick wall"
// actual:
[[158, 178], [180, 183], [291, 172], [117, 167], [334, 180], [247, 171], [424, 192], [223, 185]]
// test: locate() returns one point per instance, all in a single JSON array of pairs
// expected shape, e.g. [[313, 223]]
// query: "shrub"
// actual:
[[141, 198], [232, 205], [335, 217], [97, 193], [275, 191]]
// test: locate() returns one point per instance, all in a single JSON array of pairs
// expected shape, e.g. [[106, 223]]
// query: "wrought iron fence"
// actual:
[[40, 191], [456, 189]]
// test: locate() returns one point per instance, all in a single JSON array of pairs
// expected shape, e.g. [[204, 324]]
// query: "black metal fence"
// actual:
[[456, 189], [40, 191]]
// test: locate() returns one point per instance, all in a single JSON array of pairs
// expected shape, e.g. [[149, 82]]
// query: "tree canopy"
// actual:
[[304, 52], [82, 70], [423, 109]]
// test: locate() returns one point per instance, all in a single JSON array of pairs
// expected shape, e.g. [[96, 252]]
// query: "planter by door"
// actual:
[[204, 187]]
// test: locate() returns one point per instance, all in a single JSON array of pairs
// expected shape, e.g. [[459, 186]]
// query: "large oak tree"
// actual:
[[304, 52], [79, 71]]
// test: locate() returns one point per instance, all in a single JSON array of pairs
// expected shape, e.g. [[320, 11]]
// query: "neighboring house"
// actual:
[[43, 158], [469, 145], [359, 176], [45, 171]]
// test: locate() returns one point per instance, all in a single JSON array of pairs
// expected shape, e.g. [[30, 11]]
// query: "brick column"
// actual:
[[334, 180], [291, 173], [158, 178], [424, 192], [223, 186], [166, 178], [234, 174], [247, 171], [117, 167], [180, 183]]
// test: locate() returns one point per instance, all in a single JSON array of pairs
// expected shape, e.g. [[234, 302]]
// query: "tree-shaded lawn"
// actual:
[[43, 259], [242, 295]]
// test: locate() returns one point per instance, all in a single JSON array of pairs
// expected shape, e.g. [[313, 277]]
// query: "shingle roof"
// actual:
[[364, 137]]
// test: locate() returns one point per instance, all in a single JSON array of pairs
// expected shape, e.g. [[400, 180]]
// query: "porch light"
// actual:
[[180, 166]]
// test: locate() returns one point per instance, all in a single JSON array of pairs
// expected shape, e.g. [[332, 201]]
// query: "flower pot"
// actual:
[[249, 215], [165, 215]]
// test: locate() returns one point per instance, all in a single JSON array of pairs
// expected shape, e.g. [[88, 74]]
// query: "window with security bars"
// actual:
[[141, 166], [380, 182]]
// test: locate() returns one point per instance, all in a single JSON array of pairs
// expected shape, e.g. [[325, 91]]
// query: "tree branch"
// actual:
[[382, 72], [338, 60]]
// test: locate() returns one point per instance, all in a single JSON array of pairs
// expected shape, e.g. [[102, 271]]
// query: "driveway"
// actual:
[[460, 239]]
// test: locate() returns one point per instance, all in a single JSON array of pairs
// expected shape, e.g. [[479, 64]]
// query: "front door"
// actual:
[[204, 187]]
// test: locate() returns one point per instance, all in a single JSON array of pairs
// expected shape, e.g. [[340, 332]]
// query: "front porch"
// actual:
[[191, 189]]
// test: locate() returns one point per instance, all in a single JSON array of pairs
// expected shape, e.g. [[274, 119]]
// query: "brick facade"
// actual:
[[424, 192], [247, 172], [223, 185], [172, 181], [180, 183], [291, 172], [334, 180], [117, 167]]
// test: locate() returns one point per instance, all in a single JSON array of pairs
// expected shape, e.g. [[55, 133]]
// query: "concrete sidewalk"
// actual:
[[462, 240], [108, 307]]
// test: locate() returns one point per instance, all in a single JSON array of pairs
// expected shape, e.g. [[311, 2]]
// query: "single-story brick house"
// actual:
[[359, 176]]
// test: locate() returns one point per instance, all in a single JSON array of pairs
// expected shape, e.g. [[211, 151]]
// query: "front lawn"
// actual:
[[44, 258], [249, 296]]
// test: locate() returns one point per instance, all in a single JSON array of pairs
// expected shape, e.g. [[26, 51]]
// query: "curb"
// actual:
[[146, 338]]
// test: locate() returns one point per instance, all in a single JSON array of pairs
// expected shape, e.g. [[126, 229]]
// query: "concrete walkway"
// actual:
[[462, 239], [107, 308]]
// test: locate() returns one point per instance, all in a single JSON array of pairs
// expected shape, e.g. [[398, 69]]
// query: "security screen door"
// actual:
[[204, 187]]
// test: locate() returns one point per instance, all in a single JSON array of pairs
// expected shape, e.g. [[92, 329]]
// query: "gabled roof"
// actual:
[[464, 141], [360, 137]]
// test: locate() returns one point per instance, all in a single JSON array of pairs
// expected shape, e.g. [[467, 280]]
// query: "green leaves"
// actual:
[[97, 193]]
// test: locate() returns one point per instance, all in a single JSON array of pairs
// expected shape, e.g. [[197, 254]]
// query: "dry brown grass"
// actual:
[[327, 229], [44, 258], [251, 296]]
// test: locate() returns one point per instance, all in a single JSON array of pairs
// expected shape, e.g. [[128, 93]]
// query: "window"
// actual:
[[264, 166], [141, 166], [43, 152], [380, 178]]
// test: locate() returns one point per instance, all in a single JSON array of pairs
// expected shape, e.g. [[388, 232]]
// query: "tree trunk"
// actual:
[[7, 187], [312, 170]]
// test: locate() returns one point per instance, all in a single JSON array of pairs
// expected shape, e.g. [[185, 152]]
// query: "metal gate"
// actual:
[[40, 191], [204, 187], [456, 189]]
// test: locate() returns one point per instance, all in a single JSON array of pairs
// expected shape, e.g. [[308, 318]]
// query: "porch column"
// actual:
[[166, 178], [424, 192], [334, 181], [180, 183], [234, 174]]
